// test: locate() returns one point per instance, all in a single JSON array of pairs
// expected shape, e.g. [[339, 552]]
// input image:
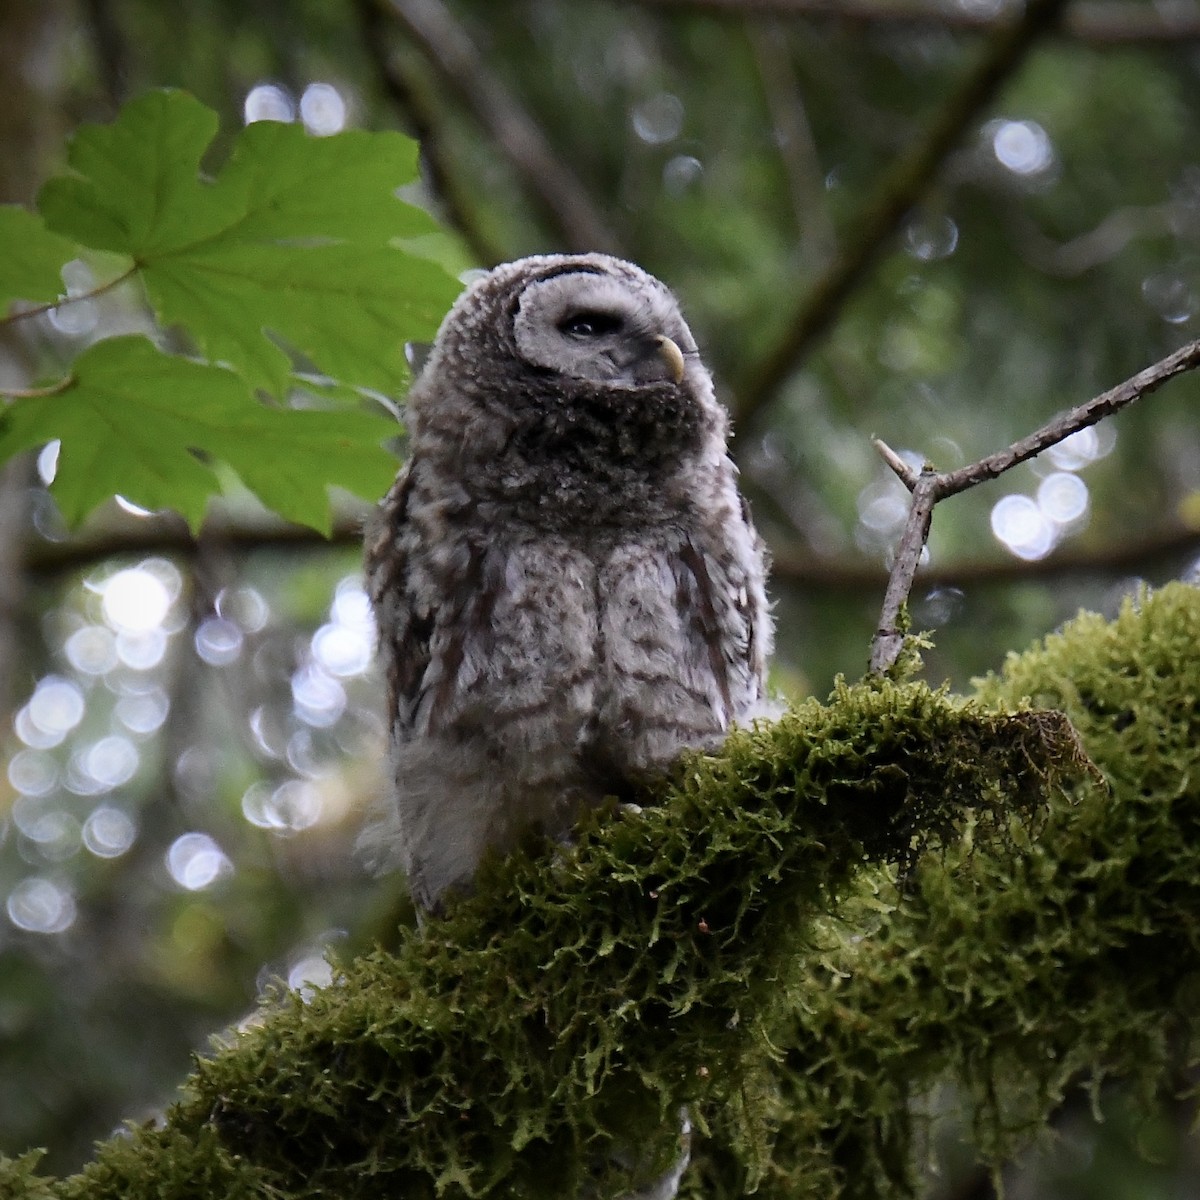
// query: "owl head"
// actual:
[[586, 316], [576, 373]]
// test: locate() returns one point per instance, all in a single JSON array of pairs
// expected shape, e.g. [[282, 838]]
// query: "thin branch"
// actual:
[[549, 180], [1102, 23], [789, 565], [889, 637], [797, 148], [900, 189], [795, 568], [110, 50], [907, 475], [169, 535], [933, 486], [1186, 358], [418, 115], [1099, 245]]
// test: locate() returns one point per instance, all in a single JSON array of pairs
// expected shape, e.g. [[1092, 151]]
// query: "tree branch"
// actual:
[[795, 568], [816, 236], [170, 535], [110, 50], [551, 182], [684, 955], [901, 188], [1186, 358], [422, 124], [586, 992], [932, 486], [1102, 23], [48, 561]]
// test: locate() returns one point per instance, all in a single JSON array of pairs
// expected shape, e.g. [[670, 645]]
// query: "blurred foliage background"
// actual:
[[938, 221]]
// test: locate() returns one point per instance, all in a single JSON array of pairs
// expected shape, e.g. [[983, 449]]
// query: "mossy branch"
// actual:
[[742, 949]]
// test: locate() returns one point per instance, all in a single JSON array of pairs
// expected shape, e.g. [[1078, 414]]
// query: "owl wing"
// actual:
[[721, 594], [405, 625]]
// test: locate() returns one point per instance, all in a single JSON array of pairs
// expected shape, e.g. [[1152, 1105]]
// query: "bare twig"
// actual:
[[889, 637], [907, 475], [170, 535], [901, 188], [1102, 22], [791, 566], [110, 50], [1186, 358], [1133, 555], [450, 50], [932, 486], [797, 149], [1101, 244], [422, 123]]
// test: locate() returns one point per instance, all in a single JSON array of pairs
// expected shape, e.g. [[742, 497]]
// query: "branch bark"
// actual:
[[423, 124], [901, 187], [930, 486], [1101, 23], [549, 180]]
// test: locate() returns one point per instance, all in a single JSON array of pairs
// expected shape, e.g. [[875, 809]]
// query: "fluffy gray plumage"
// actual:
[[566, 582]]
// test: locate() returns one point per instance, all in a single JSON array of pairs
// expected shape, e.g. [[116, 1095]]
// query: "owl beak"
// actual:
[[671, 354]]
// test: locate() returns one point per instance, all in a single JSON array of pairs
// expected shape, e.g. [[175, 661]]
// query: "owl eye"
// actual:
[[589, 324]]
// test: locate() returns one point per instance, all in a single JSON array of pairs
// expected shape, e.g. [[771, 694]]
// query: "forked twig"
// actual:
[[929, 486]]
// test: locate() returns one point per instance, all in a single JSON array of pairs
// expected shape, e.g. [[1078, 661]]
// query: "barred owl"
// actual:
[[567, 585]]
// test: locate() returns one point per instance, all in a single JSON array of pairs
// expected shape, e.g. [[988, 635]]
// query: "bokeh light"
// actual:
[[1022, 528], [308, 973], [681, 174], [33, 772], [143, 713], [658, 119], [80, 317], [1171, 295], [135, 600], [322, 109], [109, 832], [286, 808], [41, 905], [218, 641], [1084, 446], [195, 861], [1062, 497], [92, 650], [268, 102], [47, 461], [54, 709], [929, 238], [1023, 147]]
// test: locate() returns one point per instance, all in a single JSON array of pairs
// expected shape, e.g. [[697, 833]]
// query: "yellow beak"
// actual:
[[672, 356]]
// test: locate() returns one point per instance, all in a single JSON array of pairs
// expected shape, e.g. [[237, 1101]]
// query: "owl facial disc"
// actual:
[[597, 327]]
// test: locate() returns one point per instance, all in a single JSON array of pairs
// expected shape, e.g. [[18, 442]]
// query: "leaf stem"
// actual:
[[51, 389], [38, 309]]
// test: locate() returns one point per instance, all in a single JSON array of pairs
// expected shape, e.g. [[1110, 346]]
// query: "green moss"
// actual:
[[1014, 978], [742, 948]]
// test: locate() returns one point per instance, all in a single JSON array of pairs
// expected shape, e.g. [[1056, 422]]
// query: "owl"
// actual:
[[566, 582]]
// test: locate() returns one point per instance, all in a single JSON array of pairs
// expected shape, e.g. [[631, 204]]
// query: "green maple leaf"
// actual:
[[32, 257], [135, 421], [293, 242]]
